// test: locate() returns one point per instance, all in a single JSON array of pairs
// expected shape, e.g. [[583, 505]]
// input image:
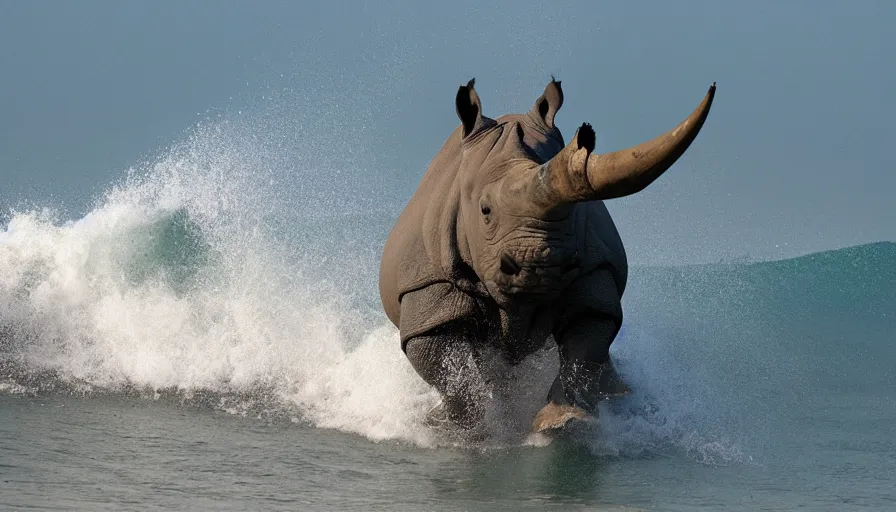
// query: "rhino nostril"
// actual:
[[509, 266]]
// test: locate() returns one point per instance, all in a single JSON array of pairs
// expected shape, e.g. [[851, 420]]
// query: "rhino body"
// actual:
[[507, 243]]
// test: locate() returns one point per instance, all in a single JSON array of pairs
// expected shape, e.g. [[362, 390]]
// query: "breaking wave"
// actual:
[[200, 275]]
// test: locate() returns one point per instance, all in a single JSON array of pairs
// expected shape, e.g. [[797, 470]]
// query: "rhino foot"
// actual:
[[454, 421], [554, 416], [437, 417]]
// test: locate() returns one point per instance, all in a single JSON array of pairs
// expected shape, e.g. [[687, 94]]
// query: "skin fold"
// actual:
[[506, 245]]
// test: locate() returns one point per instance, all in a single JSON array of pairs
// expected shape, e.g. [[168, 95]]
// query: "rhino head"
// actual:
[[520, 184]]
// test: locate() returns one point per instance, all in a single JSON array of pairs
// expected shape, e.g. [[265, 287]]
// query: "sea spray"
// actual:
[[184, 278]]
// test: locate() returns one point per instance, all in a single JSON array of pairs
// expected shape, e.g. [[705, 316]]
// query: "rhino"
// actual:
[[507, 244]]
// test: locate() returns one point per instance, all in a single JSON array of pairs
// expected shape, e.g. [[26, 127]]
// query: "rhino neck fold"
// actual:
[[449, 246]]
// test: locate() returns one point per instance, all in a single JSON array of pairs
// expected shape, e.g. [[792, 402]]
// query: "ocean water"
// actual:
[[209, 337]]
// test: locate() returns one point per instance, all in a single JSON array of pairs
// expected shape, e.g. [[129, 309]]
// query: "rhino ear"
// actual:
[[469, 110], [549, 103]]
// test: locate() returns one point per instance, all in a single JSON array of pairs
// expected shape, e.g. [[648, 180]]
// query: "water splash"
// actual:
[[186, 278]]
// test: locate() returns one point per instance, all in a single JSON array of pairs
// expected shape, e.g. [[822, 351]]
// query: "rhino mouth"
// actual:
[[511, 267]]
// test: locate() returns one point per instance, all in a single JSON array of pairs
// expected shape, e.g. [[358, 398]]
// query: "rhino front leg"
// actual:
[[447, 361], [586, 372]]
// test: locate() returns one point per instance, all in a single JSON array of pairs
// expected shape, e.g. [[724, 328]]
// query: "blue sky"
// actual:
[[794, 158]]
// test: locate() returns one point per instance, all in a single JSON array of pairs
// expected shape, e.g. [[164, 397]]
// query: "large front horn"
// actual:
[[577, 174]]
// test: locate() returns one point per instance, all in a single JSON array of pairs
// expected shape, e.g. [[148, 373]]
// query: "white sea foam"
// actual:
[[178, 279]]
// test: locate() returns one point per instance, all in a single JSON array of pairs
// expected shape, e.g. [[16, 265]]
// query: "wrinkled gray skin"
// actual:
[[506, 243]]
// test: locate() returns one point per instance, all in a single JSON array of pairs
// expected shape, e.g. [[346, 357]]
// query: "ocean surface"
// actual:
[[209, 337]]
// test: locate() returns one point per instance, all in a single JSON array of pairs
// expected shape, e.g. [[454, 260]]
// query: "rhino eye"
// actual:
[[485, 209]]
